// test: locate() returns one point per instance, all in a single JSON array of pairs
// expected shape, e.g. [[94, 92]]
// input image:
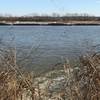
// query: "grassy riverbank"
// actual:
[[80, 82]]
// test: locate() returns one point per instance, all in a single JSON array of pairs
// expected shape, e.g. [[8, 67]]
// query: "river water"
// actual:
[[46, 46]]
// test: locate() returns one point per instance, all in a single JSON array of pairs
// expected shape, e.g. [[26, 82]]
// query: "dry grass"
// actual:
[[13, 83], [83, 82], [80, 83], [89, 75]]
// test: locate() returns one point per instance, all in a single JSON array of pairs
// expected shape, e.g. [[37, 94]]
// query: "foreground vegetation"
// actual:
[[70, 83]]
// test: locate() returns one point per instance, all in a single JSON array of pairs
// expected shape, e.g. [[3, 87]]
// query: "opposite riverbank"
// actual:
[[69, 23]]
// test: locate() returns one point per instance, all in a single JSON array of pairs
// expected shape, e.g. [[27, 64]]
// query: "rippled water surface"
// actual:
[[49, 44]]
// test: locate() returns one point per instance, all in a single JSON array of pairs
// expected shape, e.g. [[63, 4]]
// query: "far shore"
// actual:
[[70, 23]]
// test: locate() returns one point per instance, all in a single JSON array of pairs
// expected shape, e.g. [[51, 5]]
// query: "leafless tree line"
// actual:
[[53, 17]]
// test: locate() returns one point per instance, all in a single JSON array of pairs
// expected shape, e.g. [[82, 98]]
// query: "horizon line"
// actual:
[[48, 14]]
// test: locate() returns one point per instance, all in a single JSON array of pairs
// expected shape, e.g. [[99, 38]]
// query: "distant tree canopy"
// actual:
[[54, 17]]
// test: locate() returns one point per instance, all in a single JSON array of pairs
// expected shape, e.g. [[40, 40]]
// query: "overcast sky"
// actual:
[[25, 7]]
